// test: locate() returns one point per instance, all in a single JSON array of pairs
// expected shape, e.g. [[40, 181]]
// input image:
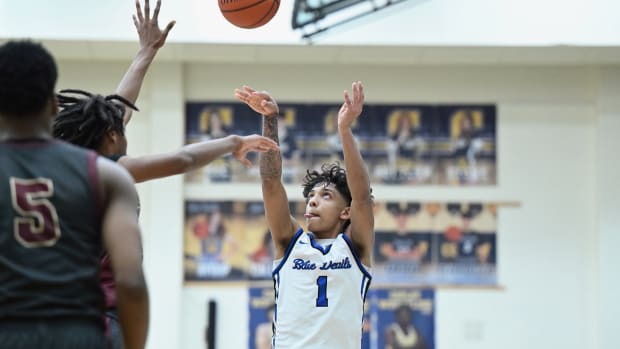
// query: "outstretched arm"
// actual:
[[151, 40], [362, 232], [193, 156], [121, 236], [281, 224]]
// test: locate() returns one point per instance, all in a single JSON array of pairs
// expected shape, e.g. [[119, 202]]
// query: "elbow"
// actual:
[[185, 162], [131, 286], [363, 196]]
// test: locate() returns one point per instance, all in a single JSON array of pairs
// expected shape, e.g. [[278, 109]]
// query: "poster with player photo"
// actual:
[[261, 311], [225, 240], [402, 144], [393, 318], [416, 243], [229, 240], [430, 243], [402, 318]]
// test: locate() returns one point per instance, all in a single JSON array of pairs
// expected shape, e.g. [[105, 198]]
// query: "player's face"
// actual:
[[432, 208], [216, 121], [404, 122], [324, 209], [404, 317], [466, 123]]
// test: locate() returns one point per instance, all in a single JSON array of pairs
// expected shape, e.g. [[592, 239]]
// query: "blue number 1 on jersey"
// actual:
[[321, 299]]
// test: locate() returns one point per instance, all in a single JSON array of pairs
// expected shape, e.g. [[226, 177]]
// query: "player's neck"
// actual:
[[318, 236], [326, 235], [29, 128], [107, 149]]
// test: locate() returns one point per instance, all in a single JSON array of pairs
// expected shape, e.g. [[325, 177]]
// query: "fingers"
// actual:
[[268, 144], [147, 10], [135, 22], [245, 162], [139, 12], [164, 35], [248, 94], [241, 92], [242, 95], [347, 100], [263, 94], [263, 148], [169, 27], [260, 143], [358, 95], [156, 12]]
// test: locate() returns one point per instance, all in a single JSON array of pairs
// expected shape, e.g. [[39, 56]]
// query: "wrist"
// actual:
[[344, 129], [234, 140], [146, 53], [275, 114]]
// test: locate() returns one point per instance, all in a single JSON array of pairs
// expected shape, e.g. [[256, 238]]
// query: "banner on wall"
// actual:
[[416, 243], [435, 243], [393, 318], [402, 318], [401, 144], [261, 311]]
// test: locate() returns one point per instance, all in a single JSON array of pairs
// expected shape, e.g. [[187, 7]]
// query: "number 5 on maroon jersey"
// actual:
[[36, 223]]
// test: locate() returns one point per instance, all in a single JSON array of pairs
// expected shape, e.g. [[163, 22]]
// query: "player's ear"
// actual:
[[53, 106], [345, 214], [111, 136]]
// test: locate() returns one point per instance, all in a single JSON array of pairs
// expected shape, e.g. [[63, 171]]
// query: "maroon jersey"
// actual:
[[50, 234], [106, 279], [106, 274]]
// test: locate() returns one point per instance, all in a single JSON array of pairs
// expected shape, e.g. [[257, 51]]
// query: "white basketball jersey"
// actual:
[[320, 295]]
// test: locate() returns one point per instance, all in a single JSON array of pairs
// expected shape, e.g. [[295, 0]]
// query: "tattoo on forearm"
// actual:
[[271, 162]]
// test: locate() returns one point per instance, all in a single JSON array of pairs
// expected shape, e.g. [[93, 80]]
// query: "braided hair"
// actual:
[[85, 119]]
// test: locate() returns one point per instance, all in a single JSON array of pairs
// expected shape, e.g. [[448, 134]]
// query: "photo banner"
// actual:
[[402, 318], [401, 144], [416, 243], [393, 318], [261, 311]]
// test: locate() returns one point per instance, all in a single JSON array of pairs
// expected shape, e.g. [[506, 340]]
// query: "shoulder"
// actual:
[[69, 153], [300, 236], [114, 175], [68, 146]]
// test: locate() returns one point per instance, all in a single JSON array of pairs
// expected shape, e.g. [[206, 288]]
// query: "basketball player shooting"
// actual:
[[321, 276]]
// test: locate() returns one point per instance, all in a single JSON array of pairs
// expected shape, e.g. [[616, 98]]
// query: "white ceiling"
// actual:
[[529, 23]]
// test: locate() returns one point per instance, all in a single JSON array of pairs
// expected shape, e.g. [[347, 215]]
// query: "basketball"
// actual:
[[453, 233], [249, 14]]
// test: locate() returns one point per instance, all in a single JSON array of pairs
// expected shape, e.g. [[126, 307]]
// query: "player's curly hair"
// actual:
[[84, 119], [28, 75], [331, 173]]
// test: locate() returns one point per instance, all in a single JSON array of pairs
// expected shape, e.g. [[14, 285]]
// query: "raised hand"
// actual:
[[151, 36], [253, 143], [351, 109], [261, 102]]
